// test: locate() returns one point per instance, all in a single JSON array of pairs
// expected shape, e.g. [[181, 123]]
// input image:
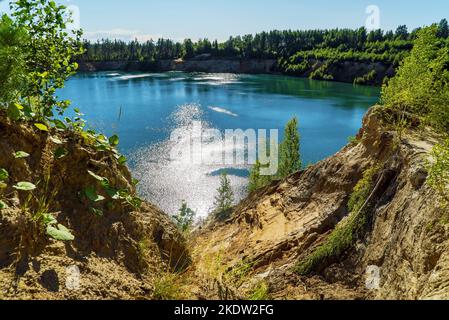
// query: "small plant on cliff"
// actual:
[[260, 292], [256, 180], [185, 217], [168, 286], [439, 171], [4, 176], [224, 198], [347, 232]]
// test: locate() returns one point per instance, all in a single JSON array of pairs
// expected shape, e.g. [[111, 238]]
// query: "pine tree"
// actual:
[[254, 177], [443, 29], [185, 217], [290, 157], [225, 198], [256, 180]]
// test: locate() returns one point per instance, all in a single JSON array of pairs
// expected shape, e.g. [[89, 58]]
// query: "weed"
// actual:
[[438, 169], [167, 287], [260, 292], [353, 140], [239, 273]]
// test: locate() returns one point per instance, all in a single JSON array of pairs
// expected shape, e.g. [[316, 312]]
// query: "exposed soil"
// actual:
[[118, 254]]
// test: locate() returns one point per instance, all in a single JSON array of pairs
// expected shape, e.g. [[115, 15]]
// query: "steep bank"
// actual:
[[364, 73], [195, 65], [372, 73], [119, 246], [399, 252]]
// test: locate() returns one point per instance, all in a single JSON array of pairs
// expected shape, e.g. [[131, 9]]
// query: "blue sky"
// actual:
[[218, 19]]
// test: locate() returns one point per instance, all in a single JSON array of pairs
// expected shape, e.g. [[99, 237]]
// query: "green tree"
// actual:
[[188, 49], [443, 29], [49, 53], [185, 218], [256, 180], [402, 33], [421, 84], [224, 199], [290, 157], [12, 61]]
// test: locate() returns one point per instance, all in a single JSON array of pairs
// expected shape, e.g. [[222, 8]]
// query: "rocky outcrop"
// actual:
[[118, 248], [402, 253]]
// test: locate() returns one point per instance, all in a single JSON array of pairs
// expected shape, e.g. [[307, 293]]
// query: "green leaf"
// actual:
[[3, 205], [4, 175], [59, 125], [41, 127], [113, 193], [92, 195], [49, 220], [21, 154], [60, 153], [122, 160], [61, 233], [114, 140], [25, 186], [135, 202], [3, 185], [14, 111]]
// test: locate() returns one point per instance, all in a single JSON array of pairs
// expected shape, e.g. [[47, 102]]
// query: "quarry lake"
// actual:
[[145, 108]]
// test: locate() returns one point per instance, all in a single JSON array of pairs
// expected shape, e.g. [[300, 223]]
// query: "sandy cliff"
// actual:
[[402, 250]]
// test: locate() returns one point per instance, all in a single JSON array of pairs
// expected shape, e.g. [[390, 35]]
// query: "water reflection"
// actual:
[[151, 106]]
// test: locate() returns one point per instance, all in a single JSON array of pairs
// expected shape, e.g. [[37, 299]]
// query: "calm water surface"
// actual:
[[145, 108]]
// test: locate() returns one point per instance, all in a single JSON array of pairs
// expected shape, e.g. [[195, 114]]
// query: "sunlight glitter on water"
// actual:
[[168, 182]]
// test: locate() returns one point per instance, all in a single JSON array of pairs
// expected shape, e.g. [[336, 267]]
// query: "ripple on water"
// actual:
[[167, 182]]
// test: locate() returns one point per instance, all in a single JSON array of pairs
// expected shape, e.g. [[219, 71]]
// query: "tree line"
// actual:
[[265, 45]]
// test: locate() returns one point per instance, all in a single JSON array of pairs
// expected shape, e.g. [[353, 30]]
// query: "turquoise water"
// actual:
[[145, 108]]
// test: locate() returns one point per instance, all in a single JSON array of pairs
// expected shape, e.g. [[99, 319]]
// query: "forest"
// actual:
[[359, 44], [316, 54]]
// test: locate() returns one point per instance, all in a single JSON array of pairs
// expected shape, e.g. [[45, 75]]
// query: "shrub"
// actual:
[[260, 292], [438, 169], [185, 218]]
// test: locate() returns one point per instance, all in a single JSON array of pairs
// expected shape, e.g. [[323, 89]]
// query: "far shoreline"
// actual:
[[272, 73]]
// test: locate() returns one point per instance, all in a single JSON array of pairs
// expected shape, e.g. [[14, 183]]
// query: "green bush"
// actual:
[[185, 218], [439, 171]]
